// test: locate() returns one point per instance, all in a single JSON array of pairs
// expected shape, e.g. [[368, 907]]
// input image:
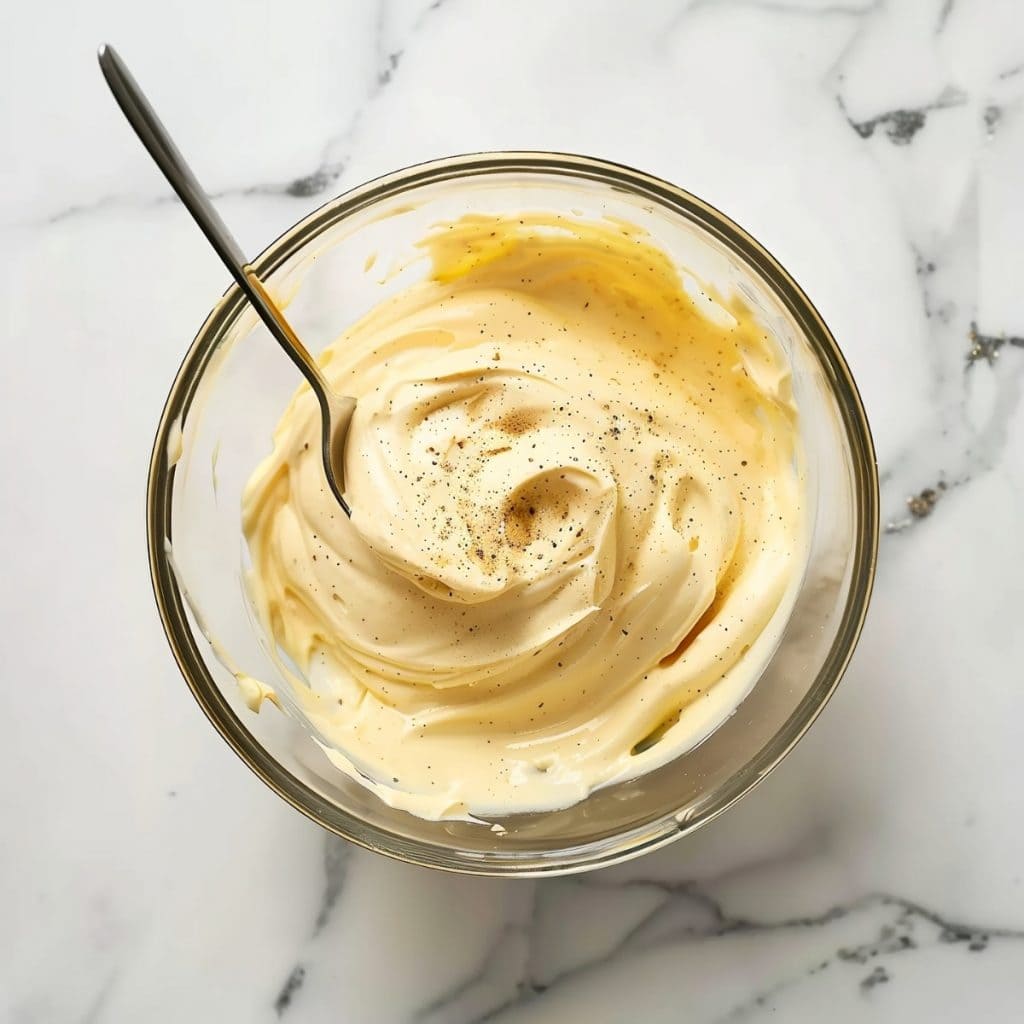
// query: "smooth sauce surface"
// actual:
[[577, 521]]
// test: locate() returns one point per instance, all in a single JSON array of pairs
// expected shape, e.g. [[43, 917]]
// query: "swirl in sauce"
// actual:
[[576, 522]]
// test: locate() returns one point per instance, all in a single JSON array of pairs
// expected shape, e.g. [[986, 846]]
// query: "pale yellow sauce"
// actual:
[[577, 522]]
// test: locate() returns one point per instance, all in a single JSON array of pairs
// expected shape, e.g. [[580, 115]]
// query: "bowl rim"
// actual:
[[596, 853]]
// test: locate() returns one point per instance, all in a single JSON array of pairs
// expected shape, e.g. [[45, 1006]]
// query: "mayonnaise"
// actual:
[[577, 522]]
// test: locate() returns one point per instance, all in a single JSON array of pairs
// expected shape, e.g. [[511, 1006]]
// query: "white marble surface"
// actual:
[[878, 150]]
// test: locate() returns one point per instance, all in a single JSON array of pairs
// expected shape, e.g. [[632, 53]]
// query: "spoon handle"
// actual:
[[168, 158]]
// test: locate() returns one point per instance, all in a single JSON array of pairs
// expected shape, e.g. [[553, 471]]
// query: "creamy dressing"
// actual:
[[577, 522]]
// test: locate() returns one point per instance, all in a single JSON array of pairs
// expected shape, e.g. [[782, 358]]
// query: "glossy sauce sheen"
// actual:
[[577, 522]]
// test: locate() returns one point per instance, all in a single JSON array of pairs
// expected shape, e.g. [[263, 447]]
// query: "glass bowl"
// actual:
[[234, 384]]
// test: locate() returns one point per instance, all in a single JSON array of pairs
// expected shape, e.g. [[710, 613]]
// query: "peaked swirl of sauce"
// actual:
[[576, 522]]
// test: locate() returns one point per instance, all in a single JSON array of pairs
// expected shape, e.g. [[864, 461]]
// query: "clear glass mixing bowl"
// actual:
[[234, 384]]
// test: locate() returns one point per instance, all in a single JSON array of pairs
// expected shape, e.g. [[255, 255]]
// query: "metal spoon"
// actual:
[[335, 410]]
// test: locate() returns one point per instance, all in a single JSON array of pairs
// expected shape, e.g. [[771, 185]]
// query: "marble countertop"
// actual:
[[877, 149]]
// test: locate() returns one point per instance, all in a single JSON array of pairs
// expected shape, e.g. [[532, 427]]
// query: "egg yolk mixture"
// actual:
[[577, 521]]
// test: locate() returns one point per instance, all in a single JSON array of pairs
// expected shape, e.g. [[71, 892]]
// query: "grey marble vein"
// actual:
[[303, 186], [957, 449], [336, 857], [337, 854], [783, 7], [95, 1011], [988, 346], [879, 976], [920, 505], [906, 926], [943, 19], [147, 202], [805, 10], [992, 116], [288, 990], [505, 960], [331, 167], [111, 202], [897, 936], [902, 124]]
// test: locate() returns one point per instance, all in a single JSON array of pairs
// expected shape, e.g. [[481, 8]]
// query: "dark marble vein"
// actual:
[[988, 346], [516, 939], [992, 116], [879, 976], [337, 854], [481, 975], [331, 168], [958, 443], [304, 186], [902, 124], [529, 987], [900, 935], [719, 923], [921, 505], [291, 986], [907, 926], [120, 202]]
